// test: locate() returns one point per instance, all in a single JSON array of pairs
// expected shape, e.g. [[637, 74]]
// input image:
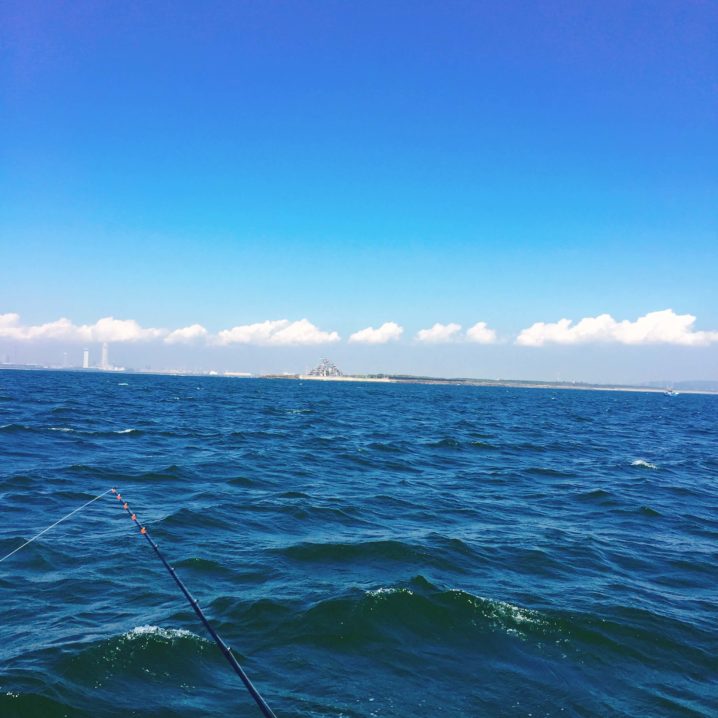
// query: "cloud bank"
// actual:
[[107, 329], [439, 334], [664, 327], [480, 333], [654, 328], [187, 335], [281, 332], [387, 332]]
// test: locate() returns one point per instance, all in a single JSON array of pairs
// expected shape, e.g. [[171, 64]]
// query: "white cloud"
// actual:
[[107, 329], [664, 327], [439, 333], [9, 320], [186, 335], [281, 332], [481, 334], [111, 330], [389, 331]]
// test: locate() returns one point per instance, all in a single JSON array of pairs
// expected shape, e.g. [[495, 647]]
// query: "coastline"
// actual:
[[517, 384], [376, 379]]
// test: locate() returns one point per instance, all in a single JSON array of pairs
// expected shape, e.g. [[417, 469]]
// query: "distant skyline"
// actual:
[[506, 190]]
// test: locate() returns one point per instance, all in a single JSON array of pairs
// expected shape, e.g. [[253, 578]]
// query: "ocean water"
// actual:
[[366, 549]]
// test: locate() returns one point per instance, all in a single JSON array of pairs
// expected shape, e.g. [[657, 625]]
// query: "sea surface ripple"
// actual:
[[366, 549]]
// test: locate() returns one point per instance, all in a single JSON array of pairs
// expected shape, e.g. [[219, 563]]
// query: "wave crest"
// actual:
[[643, 464]]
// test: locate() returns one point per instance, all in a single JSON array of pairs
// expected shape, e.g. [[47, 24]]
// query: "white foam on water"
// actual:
[[504, 614], [516, 613], [645, 464], [382, 592], [124, 431], [60, 428], [167, 633]]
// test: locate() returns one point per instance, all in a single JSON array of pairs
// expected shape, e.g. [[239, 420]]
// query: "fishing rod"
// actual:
[[226, 650]]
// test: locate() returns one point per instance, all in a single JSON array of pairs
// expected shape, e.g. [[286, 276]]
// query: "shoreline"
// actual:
[[517, 384], [375, 379]]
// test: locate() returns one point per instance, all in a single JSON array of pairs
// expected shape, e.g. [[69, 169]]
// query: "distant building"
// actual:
[[105, 362], [86, 359], [325, 368]]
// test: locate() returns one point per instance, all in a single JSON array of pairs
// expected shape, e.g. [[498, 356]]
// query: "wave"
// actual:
[[545, 471], [114, 432], [384, 614], [202, 565], [165, 634], [386, 447], [196, 518], [396, 615], [528, 446], [439, 551], [27, 705], [595, 494], [61, 409], [446, 443], [388, 550], [23, 481], [643, 464], [12, 428], [168, 473], [242, 481], [142, 651], [482, 445]]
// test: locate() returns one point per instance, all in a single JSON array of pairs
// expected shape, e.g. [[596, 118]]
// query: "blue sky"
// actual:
[[227, 164]]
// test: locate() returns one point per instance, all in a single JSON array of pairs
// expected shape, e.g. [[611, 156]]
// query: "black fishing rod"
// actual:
[[226, 651]]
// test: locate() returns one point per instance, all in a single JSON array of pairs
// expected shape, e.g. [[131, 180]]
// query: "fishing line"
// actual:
[[55, 524], [226, 650]]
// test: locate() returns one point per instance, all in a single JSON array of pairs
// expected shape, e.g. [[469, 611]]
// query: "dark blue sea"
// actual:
[[368, 550]]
